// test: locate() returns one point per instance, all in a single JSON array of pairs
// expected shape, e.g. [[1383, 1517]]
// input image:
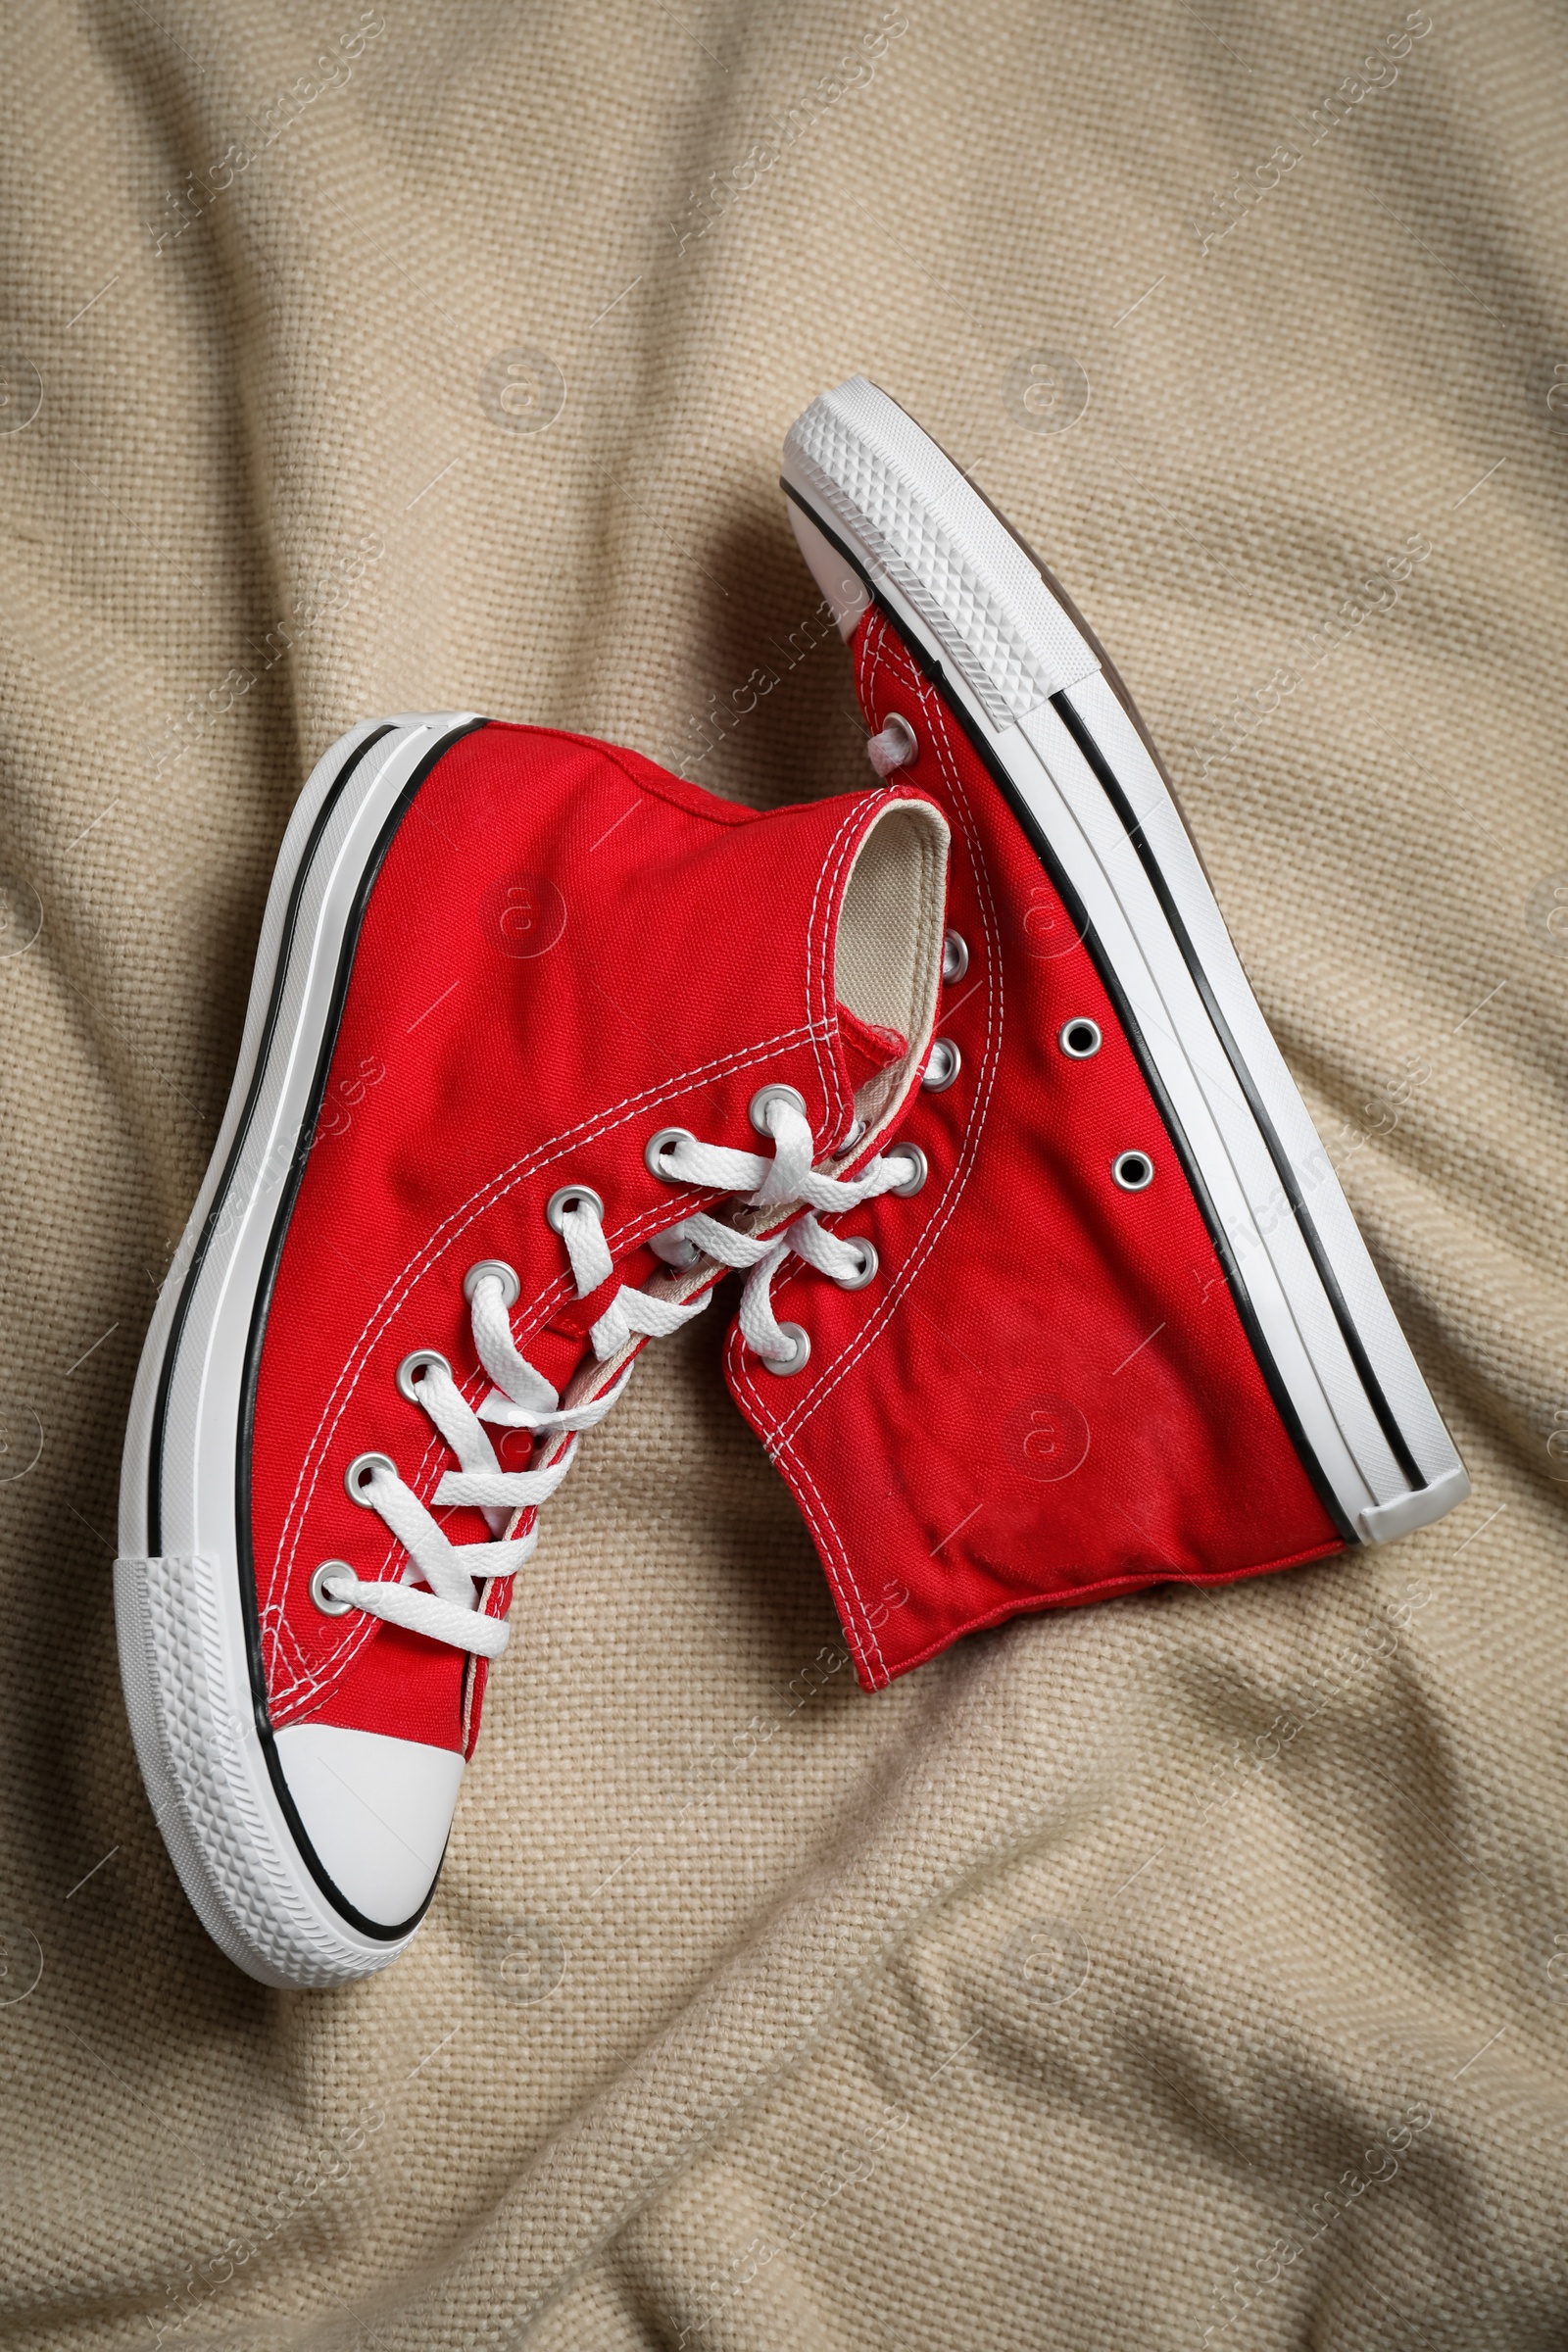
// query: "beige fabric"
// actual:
[[887, 957], [1114, 1960]]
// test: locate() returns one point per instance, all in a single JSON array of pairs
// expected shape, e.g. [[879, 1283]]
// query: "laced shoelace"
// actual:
[[446, 1603]]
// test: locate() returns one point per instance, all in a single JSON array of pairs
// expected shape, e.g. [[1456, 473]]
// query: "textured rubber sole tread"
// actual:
[[1023, 675], [196, 1706]]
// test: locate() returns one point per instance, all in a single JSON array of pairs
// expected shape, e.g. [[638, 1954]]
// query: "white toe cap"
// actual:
[[377, 1811]]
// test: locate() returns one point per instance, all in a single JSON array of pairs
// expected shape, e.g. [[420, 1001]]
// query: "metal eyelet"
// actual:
[[658, 1144], [1133, 1170], [757, 1109], [852, 1142], [868, 1263], [955, 957], [674, 1249], [894, 745], [1080, 1037], [943, 1067], [327, 1603], [567, 1197], [898, 725], [421, 1359], [791, 1363], [361, 1468], [919, 1171], [506, 1275]]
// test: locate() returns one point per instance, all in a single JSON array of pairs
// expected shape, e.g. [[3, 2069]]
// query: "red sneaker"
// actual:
[[498, 965], [1129, 1331]]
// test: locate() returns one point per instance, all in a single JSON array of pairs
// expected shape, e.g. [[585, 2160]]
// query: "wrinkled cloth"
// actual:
[[1187, 1971]]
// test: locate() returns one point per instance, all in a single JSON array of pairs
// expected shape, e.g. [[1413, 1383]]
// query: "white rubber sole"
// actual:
[[185, 1639], [867, 485]]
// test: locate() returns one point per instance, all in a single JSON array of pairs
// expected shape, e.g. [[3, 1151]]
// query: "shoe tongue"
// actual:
[[867, 1047]]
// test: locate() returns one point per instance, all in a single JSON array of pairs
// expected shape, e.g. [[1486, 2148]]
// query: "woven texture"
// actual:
[[868, 484], [1188, 1970]]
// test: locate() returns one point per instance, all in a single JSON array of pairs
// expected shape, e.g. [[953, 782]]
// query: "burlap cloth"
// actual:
[[1191, 1969]]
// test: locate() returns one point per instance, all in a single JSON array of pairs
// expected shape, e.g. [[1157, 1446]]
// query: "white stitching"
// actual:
[[474, 1384], [450, 1231], [818, 1033], [823, 1383], [807, 1403], [783, 1428], [856, 826], [819, 1517], [342, 1658]]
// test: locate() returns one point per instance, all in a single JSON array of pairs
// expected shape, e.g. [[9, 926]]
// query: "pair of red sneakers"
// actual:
[[1051, 1290]]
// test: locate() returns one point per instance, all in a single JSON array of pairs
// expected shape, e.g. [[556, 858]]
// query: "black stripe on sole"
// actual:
[[931, 667], [1285, 1168], [153, 1531], [252, 1356], [376, 1930]]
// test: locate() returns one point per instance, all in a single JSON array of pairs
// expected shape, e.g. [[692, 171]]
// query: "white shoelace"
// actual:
[[447, 1605]]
